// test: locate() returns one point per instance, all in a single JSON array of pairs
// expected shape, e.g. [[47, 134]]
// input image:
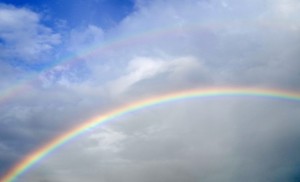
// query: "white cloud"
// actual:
[[81, 39], [168, 72], [137, 70], [23, 36]]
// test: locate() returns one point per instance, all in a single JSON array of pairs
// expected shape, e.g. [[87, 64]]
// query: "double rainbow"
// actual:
[[28, 161]]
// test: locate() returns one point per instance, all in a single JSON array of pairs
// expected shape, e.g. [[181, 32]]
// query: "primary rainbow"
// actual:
[[28, 161]]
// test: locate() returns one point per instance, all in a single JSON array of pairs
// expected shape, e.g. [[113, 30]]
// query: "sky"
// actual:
[[63, 62]]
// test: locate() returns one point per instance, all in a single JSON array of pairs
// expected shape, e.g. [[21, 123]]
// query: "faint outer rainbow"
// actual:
[[103, 47], [114, 44], [28, 161]]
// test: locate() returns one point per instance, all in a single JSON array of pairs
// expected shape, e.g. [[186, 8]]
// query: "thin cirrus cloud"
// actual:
[[159, 47]]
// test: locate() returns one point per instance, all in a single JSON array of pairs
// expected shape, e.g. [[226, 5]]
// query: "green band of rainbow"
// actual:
[[29, 160]]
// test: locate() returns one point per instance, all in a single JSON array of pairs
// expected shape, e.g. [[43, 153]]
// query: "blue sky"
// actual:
[[63, 16], [63, 62], [104, 13]]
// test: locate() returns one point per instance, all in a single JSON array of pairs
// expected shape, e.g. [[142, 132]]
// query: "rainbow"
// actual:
[[28, 161]]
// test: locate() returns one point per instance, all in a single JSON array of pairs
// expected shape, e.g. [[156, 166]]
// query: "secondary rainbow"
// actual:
[[95, 49], [28, 161], [110, 44]]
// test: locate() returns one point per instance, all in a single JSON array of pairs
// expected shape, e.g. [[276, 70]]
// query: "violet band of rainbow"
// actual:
[[28, 161]]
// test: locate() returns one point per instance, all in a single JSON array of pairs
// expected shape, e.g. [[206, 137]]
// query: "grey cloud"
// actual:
[[225, 139]]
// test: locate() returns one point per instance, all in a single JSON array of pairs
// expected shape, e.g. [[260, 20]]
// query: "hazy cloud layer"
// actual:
[[160, 47]]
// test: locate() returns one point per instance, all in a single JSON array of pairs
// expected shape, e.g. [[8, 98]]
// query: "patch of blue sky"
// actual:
[[2, 41], [76, 72], [36, 66], [79, 13]]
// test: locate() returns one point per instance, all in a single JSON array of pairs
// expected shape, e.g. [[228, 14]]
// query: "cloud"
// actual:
[[200, 139], [80, 39], [23, 36], [143, 68], [162, 46], [229, 40], [287, 9]]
